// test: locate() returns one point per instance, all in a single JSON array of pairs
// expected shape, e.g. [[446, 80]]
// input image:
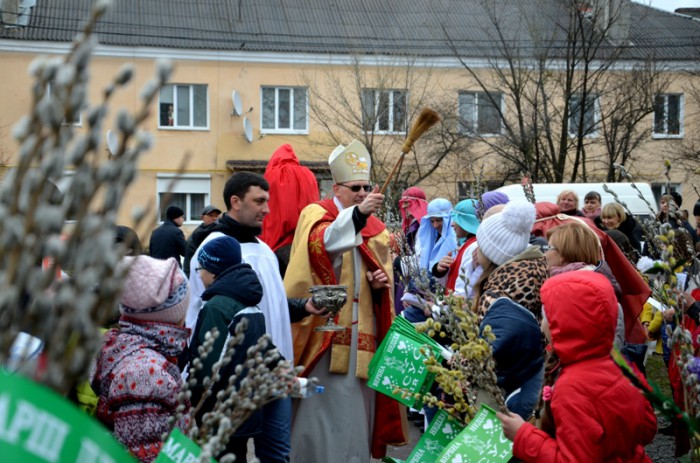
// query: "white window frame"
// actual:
[[184, 184], [594, 133], [377, 93], [79, 122], [174, 86], [292, 106], [475, 114], [681, 113]]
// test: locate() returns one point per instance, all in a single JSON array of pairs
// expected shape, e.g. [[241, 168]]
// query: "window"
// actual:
[[77, 118], [183, 107], [480, 113], [190, 193], [284, 110], [591, 115], [668, 114], [384, 110]]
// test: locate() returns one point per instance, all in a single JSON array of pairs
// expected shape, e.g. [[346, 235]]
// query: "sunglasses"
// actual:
[[357, 188]]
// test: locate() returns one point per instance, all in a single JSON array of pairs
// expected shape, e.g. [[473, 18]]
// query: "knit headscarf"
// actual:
[[431, 251], [413, 199]]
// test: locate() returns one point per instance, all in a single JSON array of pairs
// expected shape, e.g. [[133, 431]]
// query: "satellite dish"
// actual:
[[237, 103], [112, 142], [248, 130]]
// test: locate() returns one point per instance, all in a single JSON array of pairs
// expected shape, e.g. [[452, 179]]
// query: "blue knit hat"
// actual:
[[219, 254]]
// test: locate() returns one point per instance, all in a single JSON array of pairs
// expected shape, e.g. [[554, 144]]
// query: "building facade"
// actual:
[[251, 76]]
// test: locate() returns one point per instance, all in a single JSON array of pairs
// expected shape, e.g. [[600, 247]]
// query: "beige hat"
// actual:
[[350, 163]]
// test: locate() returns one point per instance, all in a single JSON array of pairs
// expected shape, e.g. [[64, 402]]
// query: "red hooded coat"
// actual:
[[599, 415]]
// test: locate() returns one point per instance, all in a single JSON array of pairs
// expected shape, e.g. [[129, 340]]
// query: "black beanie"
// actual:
[[174, 212], [696, 208], [677, 198], [219, 254]]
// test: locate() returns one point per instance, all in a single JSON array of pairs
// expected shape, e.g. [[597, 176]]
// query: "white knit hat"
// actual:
[[506, 234], [350, 163]]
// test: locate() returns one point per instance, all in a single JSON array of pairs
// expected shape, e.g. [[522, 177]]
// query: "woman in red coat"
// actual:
[[599, 416]]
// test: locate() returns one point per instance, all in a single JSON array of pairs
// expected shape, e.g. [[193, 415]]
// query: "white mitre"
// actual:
[[350, 163]]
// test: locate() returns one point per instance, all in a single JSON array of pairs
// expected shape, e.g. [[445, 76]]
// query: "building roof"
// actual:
[[377, 27]]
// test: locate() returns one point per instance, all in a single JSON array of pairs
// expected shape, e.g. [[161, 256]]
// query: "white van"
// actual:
[[549, 191]]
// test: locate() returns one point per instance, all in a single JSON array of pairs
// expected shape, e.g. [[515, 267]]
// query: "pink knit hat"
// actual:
[[154, 290]]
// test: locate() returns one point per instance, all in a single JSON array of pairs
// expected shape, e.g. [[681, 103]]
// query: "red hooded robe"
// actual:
[[292, 188]]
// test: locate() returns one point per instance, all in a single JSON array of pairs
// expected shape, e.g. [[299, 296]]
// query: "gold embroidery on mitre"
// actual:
[[357, 163]]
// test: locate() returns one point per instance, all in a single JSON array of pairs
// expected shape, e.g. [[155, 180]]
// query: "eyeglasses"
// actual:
[[547, 247], [357, 188]]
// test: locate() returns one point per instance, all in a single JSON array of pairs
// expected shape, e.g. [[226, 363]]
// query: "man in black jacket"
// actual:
[[168, 240]]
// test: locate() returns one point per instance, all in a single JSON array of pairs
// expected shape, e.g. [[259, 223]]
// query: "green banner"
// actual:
[[482, 441], [399, 363], [440, 433], [39, 426], [179, 449]]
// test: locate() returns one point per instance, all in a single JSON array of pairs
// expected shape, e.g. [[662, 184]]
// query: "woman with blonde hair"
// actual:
[[614, 217], [568, 203]]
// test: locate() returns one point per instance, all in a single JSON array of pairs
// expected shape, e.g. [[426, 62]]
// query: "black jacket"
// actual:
[[631, 229], [167, 241], [232, 297]]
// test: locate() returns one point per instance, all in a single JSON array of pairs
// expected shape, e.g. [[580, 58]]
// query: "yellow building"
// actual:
[[251, 76]]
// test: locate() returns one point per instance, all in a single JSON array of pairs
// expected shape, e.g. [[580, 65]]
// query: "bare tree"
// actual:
[[548, 86], [377, 104], [630, 99]]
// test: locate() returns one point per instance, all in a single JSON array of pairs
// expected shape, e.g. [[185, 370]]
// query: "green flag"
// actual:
[[39, 426]]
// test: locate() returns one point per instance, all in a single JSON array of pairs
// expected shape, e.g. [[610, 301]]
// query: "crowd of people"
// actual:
[[556, 283]]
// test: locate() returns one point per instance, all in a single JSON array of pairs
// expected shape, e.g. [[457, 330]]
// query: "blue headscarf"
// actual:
[[430, 250], [465, 215]]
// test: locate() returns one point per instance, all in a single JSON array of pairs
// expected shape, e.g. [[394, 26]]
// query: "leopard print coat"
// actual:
[[519, 279]]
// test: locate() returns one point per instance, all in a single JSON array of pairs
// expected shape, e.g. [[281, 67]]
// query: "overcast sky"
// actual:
[[671, 5]]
